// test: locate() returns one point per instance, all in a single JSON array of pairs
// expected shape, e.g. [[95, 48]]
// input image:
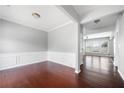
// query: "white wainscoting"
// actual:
[[63, 58], [18, 59], [8, 60]]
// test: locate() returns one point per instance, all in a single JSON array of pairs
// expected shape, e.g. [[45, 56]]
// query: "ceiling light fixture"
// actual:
[[36, 15]]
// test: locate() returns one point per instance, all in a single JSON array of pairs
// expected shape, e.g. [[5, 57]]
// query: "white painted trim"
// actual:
[[11, 60], [60, 26], [118, 70], [77, 45], [43, 29], [20, 23], [77, 71], [20, 65], [114, 63], [120, 74]]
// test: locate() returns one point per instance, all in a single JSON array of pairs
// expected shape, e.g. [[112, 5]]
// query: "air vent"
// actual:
[[97, 21]]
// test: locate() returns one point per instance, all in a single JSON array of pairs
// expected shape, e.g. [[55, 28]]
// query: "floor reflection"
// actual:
[[101, 63]]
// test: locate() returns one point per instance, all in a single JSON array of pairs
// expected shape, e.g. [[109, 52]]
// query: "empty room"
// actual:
[[61, 46]]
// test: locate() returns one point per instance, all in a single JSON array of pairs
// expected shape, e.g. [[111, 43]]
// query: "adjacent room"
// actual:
[[61, 46]]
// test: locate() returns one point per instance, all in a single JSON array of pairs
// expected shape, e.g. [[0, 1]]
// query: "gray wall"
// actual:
[[63, 39], [17, 38]]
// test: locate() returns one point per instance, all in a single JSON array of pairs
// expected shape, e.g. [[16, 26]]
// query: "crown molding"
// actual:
[[21, 23], [60, 26], [46, 30]]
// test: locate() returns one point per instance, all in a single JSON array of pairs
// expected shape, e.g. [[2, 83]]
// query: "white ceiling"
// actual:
[[106, 13], [51, 16], [84, 10], [104, 22]]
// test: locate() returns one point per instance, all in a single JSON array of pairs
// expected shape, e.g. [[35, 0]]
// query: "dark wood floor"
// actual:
[[96, 72]]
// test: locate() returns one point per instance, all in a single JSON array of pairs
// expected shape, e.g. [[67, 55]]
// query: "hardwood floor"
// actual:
[[96, 72], [100, 72]]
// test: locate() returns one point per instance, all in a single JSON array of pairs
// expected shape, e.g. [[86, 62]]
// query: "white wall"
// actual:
[[121, 45], [20, 45], [81, 46], [116, 43], [62, 39], [62, 45], [116, 49]]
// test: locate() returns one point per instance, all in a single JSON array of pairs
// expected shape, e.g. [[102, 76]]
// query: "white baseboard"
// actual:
[[19, 59], [115, 65], [115, 62], [77, 71], [19, 65], [63, 58], [121, 74]]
